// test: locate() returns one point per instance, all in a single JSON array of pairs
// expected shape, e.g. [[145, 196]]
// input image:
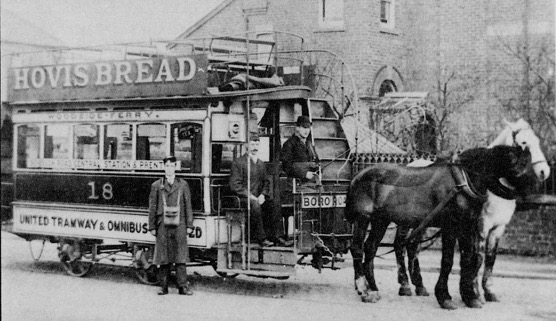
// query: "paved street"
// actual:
[[42, 291]]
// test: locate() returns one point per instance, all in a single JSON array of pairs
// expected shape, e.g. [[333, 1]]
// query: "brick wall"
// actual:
[[531, 232]]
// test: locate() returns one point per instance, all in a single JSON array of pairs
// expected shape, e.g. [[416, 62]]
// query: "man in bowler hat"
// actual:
[[299, 158]]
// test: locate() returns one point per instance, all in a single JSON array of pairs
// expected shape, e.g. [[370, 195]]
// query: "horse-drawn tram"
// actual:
[[92, 126]]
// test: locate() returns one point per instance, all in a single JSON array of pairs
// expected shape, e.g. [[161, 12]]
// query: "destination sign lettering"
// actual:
[[108, 116], [152, 77], [323, 201], [96, 164]]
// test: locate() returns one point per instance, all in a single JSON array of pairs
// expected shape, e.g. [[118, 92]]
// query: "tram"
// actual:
[[90, 132]]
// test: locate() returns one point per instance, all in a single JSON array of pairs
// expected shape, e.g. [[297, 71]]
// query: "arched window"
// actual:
[[387, 86]]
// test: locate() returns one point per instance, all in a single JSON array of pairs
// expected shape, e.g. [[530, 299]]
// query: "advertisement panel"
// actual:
[[148, 77], [87, 223]]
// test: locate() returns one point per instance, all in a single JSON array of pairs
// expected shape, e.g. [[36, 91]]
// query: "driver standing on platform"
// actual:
[[299, 158], [171, 220]]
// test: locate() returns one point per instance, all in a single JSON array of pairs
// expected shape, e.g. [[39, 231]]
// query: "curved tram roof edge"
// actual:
[[276, 93]]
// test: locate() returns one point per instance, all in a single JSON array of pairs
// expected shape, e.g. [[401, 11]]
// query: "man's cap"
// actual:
[[169, 158], [254, 137], [303, 121]]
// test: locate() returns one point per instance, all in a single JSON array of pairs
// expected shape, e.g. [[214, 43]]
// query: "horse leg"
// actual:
[[378, 229], [399, 243], [491, 248], [356, 249], [441, 289], [414, 268], [470, 263]]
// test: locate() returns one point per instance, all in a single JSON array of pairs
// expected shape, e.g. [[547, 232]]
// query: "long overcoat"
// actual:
[[168, 249]]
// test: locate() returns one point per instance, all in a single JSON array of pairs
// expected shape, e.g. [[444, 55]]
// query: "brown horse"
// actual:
[[496, 213], [449, 196]]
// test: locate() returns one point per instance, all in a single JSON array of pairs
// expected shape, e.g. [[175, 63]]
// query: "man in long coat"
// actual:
[[299, 158], [171, 241]]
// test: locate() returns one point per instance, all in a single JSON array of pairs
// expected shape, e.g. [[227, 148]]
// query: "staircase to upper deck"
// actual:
[[331, 145]]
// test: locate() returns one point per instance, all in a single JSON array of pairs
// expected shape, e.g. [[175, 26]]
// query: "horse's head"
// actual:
[[513, 168], [521, 134]]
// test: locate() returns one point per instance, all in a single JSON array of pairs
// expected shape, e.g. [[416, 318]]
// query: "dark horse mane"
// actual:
[[518, 173]]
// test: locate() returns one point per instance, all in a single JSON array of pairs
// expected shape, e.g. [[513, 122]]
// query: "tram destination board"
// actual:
[[323, 200]]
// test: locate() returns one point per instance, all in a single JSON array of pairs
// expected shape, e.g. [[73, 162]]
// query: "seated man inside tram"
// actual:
[[265, 226]]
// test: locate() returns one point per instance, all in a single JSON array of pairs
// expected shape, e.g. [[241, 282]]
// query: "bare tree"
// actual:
[[453, 91], [530, 92]]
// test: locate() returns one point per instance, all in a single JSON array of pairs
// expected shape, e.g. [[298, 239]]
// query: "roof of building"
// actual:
[[205, 19]]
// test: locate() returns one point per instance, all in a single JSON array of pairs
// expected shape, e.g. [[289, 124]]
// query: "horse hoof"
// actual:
[[474, 304], [491, 297], [421, 291], [371, 297], [405, 291], [448, 305]]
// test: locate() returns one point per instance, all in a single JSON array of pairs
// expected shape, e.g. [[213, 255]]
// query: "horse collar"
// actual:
[[462, 183], [503, 189]]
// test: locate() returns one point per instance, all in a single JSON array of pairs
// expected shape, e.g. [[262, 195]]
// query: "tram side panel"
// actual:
[[99, 207]]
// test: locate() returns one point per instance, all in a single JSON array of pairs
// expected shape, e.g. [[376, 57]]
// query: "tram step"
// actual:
[[271, 258], [260, 273]]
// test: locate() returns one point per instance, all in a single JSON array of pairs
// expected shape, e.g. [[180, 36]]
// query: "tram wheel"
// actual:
[[147, 276], [77, 267]]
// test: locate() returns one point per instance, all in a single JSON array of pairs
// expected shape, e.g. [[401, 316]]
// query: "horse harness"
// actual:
[[462, 185]]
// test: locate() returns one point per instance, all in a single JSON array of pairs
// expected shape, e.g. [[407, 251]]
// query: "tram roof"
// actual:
[[265, 94]]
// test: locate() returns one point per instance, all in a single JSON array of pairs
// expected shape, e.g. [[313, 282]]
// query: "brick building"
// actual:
[[475, 47], [495, 57]]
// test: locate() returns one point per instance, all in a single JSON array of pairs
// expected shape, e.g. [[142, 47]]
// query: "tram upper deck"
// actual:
[[89, 135]]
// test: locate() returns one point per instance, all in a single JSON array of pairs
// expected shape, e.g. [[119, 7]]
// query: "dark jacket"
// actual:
[[163, 253], [298, 158], [259, 180]]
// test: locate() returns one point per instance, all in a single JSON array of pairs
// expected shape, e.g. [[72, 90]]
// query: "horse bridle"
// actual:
[[514, 135]]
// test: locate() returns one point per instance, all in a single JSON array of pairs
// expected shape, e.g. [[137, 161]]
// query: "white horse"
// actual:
[[500, 206], [496, 213]]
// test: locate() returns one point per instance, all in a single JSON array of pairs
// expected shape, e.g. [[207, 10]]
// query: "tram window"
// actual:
[[28, 146], [151, 141], [118, 141], [86, 141], [187, 145], [57, 142], [224, 154]]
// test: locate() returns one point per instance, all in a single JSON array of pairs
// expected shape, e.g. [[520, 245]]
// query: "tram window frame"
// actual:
[[140, 143], [189, 134], [114, 151], [79, 145], [51, 147], [222, 165], [24, 159]]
